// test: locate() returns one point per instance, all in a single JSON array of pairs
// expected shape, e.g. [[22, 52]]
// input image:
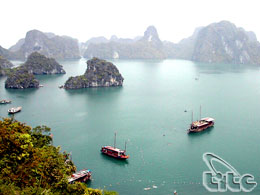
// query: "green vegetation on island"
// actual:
[[30, 164], [99, 73], [39, 64], [20, 78], [23, 77]]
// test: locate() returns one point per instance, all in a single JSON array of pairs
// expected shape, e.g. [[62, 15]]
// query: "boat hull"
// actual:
[[113, 154], [15, 111], [200, 129], [117, 157]]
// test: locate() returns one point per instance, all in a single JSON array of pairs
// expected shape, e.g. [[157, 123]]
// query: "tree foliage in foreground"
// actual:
[[30, 164]]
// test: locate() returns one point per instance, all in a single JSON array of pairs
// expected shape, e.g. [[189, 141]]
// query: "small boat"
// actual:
[[5, 102], [61, 86], [80, 176], [40, 85], [201, 125], [114, 152], [14, 110]]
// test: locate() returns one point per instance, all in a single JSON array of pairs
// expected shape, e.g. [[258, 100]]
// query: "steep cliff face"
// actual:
[[99, 73], [39, 64], [148, 46], [48, 44], [223, 42], [21, 79]]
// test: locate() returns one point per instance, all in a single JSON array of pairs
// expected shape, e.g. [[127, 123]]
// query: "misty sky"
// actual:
[[83, 19]]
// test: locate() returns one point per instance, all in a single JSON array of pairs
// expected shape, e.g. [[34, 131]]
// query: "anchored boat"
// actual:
[[114, 152], [201, 125], [5, 101], [80, 176], [14, 110]]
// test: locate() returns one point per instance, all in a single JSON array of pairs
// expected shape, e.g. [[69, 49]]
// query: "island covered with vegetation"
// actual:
[[99, 73], [30, 164], [23, 77]]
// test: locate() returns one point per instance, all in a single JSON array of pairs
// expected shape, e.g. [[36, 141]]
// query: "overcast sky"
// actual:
[[83, 19]]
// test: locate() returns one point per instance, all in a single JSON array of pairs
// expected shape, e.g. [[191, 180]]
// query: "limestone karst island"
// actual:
[[129, 97]]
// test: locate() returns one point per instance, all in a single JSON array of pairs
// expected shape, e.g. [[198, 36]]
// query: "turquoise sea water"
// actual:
[[150, 105]]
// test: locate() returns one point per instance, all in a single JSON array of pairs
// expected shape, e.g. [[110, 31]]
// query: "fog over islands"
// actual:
[[220, 42]]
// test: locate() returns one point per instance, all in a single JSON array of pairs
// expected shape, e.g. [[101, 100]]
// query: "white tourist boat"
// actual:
[[14, 110]]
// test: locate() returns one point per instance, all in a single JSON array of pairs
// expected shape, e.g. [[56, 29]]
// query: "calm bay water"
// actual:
[[150, 105]]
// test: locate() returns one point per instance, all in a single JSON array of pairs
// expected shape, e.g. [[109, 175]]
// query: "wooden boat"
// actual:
[[80, 176], [14, 110], [114, 152], [5, 102], [201, 125]]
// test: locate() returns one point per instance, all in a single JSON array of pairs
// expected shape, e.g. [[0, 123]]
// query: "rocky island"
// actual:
[[20, 78], [223, 42], [99, 73], [149, 46], [39, 64], [48, 44]]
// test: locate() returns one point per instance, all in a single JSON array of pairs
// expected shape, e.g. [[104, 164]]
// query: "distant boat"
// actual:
[[14, 110], [200, 125], [61, 86], [80, 176], [40, 85], [114, 152], [5, 101]]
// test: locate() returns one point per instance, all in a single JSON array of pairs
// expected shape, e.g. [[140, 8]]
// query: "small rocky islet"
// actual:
[[39, 64], [23, 77], [20, 78], [99, 73]]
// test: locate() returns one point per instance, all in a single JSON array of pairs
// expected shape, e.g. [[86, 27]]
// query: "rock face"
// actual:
[[48, 44], [223, 42], [219, 42], [38, 64], [99, 73], [4, 65], [20, 78], [147, 47], [9, 54]]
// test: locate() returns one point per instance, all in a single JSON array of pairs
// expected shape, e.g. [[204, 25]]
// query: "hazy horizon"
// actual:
[[83, 20]]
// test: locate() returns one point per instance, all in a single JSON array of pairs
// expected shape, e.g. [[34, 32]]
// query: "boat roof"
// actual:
[[114, 149], [199, 123], [208, 119]]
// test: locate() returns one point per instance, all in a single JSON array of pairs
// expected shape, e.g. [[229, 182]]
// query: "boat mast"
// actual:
[[115, 141]]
